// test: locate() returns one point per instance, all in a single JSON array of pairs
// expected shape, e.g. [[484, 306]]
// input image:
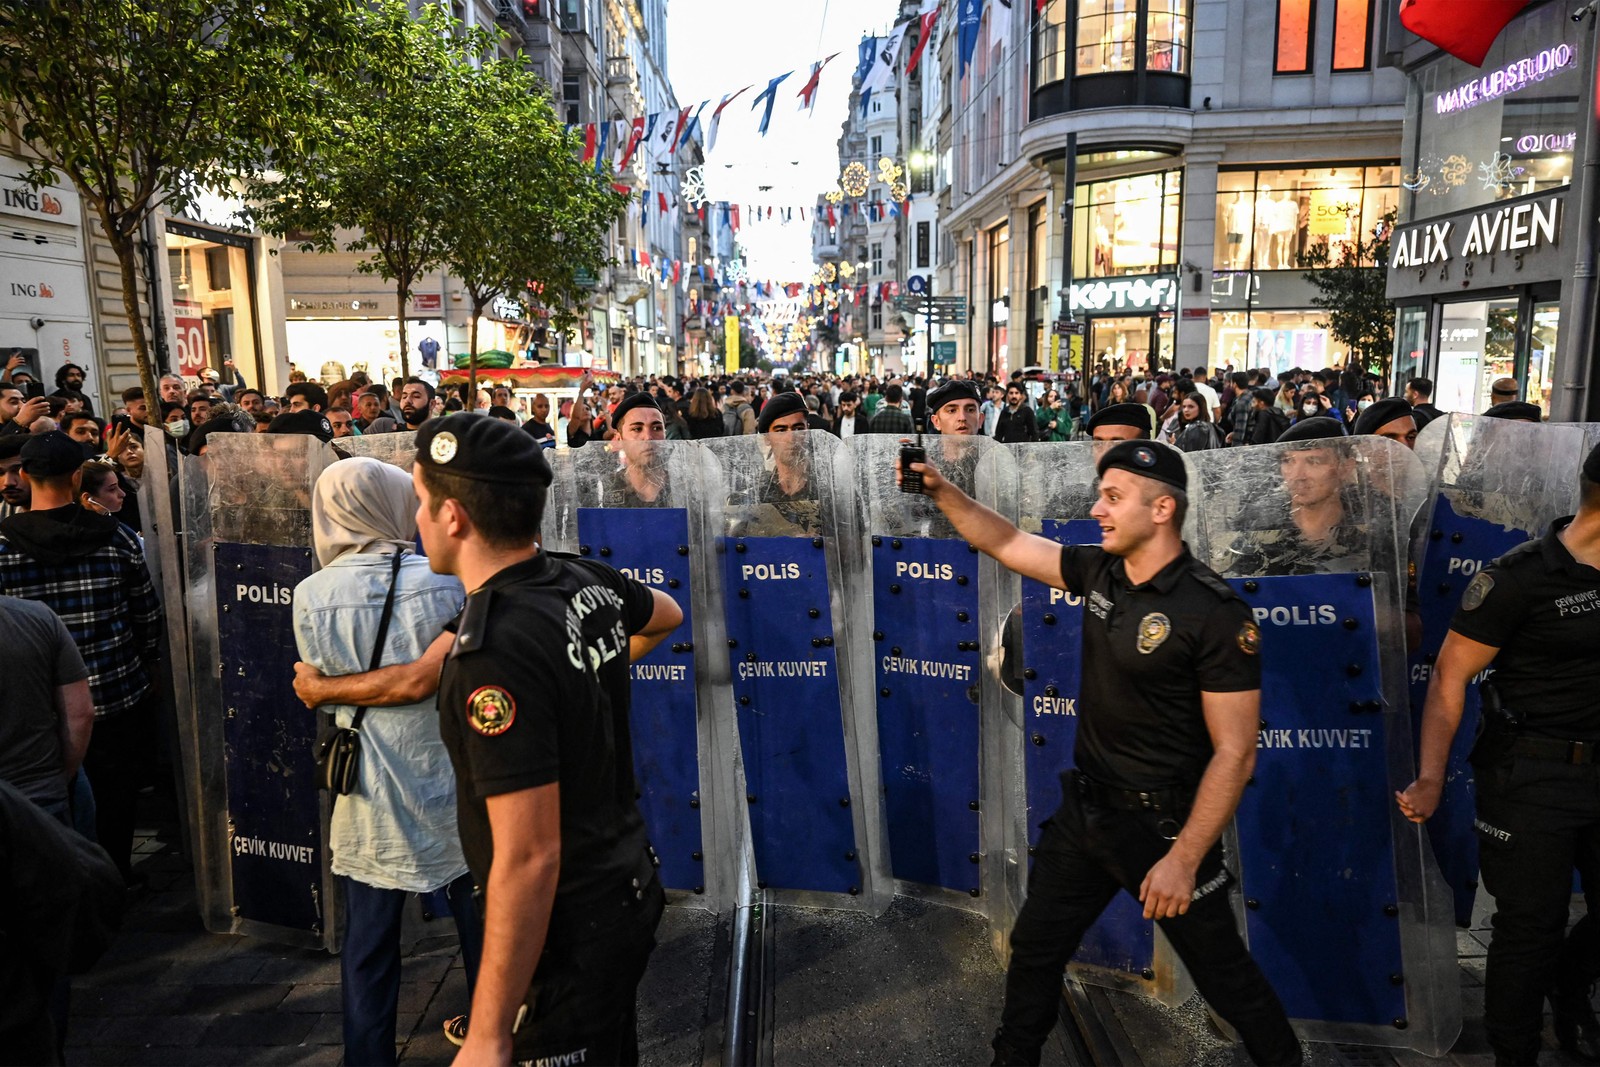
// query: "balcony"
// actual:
[[509, 14], [619, 70]]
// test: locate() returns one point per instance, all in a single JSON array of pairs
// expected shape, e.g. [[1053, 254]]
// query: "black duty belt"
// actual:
[[1101, 795], [1577, 753]]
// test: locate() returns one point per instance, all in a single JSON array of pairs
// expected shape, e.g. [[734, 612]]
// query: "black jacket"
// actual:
[[1019, 425]]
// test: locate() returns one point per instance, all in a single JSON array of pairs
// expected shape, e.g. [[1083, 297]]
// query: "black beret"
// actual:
[[780, 405], [1313, 428], [1591, 466], [1135, 415], [633, 400], [11, 444], [951, 391], [484, 449], [1150, 459], [1518, 410], [313, 423], [1382, 412], [49, 454]]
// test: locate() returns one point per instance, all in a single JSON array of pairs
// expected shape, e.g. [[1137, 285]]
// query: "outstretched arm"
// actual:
[[1028, 554]]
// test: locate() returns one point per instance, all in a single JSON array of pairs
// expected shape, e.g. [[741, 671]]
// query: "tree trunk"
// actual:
[[403, 294], [127, 262], [472, 356]]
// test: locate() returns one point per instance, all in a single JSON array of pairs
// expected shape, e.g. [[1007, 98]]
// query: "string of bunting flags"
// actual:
[[737, 293]]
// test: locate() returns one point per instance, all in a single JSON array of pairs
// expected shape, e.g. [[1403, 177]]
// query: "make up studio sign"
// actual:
[[1513, 77], [1506, 244]]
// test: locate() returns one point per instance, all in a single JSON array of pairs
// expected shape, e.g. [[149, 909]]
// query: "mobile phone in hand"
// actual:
[[910, 480]]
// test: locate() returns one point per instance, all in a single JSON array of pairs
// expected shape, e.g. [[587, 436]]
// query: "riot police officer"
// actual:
[[1166, 741], [1535, 615], [953, 408], [1121, 422], [533, 708]]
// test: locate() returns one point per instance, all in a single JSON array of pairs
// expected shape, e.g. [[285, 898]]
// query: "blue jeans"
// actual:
[[370, 965]]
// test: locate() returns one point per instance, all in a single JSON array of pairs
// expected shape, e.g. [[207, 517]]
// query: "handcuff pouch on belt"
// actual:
[[1498, 727]]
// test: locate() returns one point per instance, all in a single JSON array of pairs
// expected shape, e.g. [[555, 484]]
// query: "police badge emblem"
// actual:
[[1250, 639], [491, 711], [1154, 629], [1479, 588], [443, 449]]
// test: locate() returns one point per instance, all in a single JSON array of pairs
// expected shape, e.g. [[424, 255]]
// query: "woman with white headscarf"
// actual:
[[395, 833]]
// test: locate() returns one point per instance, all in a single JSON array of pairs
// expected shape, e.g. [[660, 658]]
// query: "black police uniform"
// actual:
[[1538, 773], [536, 692], [1149, 651]]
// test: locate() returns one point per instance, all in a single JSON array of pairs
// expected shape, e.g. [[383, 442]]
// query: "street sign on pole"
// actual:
[[944, 352], [1069, 328]]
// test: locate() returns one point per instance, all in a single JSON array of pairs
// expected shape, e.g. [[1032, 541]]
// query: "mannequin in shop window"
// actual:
[[1236, 222], [1282, 220]]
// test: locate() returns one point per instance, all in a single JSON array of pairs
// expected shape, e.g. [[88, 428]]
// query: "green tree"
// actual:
[[389, 165], [529, 218], [1351, 289], [140, 104]]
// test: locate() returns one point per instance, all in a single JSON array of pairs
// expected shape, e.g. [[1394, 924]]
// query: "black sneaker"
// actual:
[[455, 1030], [1573, 1019]]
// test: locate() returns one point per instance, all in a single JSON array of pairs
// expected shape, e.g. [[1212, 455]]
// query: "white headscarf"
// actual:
[[363, 505]]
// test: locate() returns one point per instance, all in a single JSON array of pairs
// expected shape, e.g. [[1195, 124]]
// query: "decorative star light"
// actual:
[[829, 272], [693, 189], [898, 192], [889, 171], [1499, 173], [834, 196], [846, 269], [855, 179]]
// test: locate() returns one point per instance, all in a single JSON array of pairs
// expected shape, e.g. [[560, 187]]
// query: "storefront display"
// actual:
[[1127, 225], [1277, 340], [214, 317], [1286, 219]]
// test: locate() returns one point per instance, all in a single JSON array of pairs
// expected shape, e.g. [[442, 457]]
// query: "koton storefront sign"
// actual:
[[1148, 293], [1517, 242]]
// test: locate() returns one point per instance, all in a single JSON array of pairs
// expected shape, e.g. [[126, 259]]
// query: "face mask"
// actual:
[[1309, 409], [179, 428], [1362, 405]]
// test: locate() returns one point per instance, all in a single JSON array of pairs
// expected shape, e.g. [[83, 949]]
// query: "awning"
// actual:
[[546, 377]]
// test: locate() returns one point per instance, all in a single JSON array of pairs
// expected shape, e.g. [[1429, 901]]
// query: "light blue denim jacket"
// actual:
[[397, 830]]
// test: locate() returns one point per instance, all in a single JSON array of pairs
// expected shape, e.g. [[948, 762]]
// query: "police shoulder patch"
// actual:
[[491, 711], [1250, 639], [1478, 589]]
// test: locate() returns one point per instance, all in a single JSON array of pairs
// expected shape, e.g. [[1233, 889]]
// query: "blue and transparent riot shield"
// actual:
[[933, 691], [1495, 483], [248, 744], [642, 507], [1043, 648], [1345, 908], [793, 595]]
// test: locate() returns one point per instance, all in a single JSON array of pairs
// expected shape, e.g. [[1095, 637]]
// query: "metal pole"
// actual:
[[1068, 192]]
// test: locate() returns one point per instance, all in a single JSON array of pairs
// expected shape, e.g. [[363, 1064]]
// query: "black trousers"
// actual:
[[1084, 858], [118, 762], [583, 1003], [1537, 820]]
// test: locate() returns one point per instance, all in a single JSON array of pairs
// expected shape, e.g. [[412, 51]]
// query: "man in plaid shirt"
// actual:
[[89, 569]]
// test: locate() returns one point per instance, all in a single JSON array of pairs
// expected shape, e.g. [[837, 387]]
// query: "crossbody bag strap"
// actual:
[[383, 629]]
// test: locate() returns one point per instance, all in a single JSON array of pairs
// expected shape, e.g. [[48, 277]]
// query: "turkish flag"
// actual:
[[1465, 36]]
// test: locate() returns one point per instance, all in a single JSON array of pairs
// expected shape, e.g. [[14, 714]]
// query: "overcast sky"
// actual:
[[717, 46]]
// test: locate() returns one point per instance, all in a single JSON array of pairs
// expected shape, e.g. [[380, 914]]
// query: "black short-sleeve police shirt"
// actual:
[[536, 691], [1541, 608], [1149, 651]]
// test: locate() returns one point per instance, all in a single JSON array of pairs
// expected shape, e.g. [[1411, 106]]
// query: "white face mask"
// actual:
[[1309, 409], [1362, 405], [179, 428]]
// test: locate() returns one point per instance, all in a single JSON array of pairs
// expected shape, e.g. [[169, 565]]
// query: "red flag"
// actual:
[[831, 220], [661, 201], [633, 142], [735, 210], [1039, 5], [588, 144], [927, 31], [677, 130], [808, 91], [677, 270], [644, 259], [1442, 22]]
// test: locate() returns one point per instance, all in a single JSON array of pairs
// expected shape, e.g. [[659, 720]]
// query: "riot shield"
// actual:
[[250, 748], [644, 508], [395, 449], [791, 574], [1495, 484], [1043, 646], [1345, 908], [929, 623]]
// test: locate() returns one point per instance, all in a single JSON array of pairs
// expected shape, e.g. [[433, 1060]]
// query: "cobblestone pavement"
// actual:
[[169, 992]]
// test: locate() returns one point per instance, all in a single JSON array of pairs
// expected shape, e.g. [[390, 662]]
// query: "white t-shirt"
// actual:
[[847, 425]]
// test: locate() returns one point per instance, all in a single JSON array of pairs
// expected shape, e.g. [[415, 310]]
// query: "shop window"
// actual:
[[1295, 19], [999, 296], [1108, 32], [1410, 345], [213, 302], [1166, 45], [924, 230], [1352, 34], [1122, 53], [1284, 219], [1475, 136], [1127, 226], [1277, 340], [1050, 44], [1038, 280]]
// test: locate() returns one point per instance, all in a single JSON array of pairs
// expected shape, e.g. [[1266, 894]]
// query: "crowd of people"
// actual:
[[85, 628]]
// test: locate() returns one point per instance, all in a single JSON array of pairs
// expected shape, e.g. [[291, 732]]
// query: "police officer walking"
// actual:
[[533, 707], [1535, 615], [1166, 741]]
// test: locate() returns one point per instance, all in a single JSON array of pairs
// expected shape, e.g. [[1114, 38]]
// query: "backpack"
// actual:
[[733, 420]]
